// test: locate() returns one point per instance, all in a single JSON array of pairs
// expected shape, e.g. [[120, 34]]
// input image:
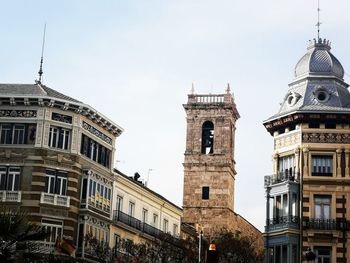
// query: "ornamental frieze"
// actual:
[[97, 133], [316, 137], [61, 117], [18, 113], [287, 140]]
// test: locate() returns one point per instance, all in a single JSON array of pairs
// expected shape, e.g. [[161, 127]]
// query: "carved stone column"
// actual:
[[306, 164], [347, 151], [338, 162]]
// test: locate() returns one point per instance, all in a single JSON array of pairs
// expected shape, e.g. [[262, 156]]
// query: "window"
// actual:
[[17, 133], [55, 228], [175, 230], [314, 125], [205, 192], [84, 190], [322, 206], [95, 151], [59, 138], [119, 203], [99, 233], [286, 165], [100, 195], [144, 215], [9, 178], [322, 165], [207, 137], [323, 254], [330, 125], [131, 208], [155, 220], [165, 225], [56, 182]]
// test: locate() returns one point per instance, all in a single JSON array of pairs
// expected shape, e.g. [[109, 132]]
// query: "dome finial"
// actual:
[[318, 21]]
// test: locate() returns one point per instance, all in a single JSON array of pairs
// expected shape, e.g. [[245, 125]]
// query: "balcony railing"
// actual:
[[137, 224], [282, 223], [10, 196], [55, 199], [286, 176], [326, 224]]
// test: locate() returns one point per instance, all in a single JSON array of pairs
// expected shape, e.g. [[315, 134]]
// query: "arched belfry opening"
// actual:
[[207, 137]]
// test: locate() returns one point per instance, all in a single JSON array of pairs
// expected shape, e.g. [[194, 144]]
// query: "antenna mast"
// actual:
[[318, 20], [42, 55]]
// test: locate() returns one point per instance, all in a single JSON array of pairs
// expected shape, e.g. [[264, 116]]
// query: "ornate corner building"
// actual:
[[308, 194], [56, 159], [209, 165]]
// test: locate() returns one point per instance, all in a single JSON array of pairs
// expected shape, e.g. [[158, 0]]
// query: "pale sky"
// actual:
[[134, 61]]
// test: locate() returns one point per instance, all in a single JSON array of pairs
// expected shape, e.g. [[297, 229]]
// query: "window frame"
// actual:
[[59, 137], [320, 166], [5, 173], [322, 201], [56, 182]]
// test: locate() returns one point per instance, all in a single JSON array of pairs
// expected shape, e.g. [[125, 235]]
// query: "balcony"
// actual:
[[326, 224], [137, 224], [283, 222], [10, 196], [287, 176], [55, 199]]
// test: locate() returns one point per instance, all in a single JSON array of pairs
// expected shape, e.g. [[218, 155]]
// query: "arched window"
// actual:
[[207, 137]]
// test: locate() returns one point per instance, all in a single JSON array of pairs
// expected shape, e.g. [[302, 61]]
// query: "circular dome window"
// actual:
[[322, 95]]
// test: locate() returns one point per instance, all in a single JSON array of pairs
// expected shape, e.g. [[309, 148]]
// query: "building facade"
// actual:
[[308, 193], [209, 166], [56, 163], [140, 214]]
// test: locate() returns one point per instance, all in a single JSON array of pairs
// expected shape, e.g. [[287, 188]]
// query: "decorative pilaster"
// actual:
[[275, 163], [339, 162], [347, 151], [297, 169], [305, 159]]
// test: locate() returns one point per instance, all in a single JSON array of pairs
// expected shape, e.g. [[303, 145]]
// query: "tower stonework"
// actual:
[[209, 172]]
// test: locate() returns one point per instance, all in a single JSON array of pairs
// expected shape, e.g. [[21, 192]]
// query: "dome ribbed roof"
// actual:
[[319, 61]]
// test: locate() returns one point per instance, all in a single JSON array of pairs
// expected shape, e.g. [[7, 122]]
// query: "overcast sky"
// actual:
[[135, 61]]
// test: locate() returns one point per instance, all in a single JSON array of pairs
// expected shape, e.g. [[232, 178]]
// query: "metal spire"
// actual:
[[42, 55], [318, 20]]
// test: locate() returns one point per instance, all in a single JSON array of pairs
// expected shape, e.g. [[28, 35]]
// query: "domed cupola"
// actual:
[[319, 61]]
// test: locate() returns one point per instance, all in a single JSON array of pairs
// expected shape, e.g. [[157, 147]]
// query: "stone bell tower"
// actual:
[[209, 166]]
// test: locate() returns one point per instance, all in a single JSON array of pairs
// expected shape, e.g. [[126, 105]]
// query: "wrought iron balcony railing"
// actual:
[[283, 220], [326, 224], [280, 177], [10, 196], [135, 223]]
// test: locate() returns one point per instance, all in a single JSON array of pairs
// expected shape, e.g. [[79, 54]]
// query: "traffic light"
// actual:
[[212, 254]]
